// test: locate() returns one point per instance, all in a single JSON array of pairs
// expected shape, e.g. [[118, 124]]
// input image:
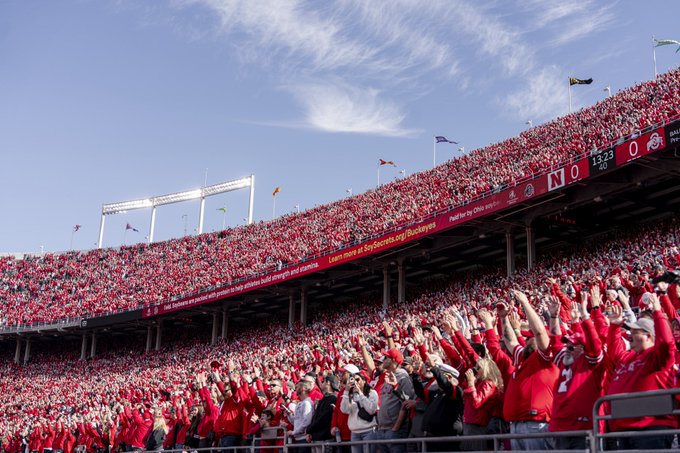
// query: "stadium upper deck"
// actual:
[[55, 287]]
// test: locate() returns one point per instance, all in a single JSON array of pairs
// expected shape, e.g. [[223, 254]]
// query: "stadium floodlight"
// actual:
[[178, 197]]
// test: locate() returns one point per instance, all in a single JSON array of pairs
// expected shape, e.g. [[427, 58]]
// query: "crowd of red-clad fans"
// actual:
[[480, 354], [59, 286]]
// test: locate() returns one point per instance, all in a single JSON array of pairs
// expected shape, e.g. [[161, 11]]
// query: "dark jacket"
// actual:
[[320, 426], [155, 440], [444, 414]]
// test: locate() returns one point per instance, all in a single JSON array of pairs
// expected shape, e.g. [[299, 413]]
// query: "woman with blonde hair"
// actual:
[[159, 431], [483, 399]]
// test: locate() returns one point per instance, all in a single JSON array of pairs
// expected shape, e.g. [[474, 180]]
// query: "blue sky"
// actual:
[[104, 101]]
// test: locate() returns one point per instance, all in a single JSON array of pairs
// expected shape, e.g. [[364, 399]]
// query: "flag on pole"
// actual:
[[76, 228], [224, 210], [575, 81], [130, 227], [442, 139], [667, 42], [277, 190], [387, 162]]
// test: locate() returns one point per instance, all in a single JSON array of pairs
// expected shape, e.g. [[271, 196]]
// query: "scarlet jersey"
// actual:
[[652, 369], [529, 395], [579, 385]]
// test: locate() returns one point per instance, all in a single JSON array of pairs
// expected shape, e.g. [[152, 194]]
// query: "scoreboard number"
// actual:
[[602, 161]]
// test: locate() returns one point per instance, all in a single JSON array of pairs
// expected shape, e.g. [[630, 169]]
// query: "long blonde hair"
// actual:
[[159, 423], [488, 371]]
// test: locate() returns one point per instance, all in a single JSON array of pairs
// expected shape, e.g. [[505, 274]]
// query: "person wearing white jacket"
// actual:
[[360, 402]]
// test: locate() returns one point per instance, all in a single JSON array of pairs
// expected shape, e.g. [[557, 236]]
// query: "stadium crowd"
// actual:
[[482, 353], [54, 287]]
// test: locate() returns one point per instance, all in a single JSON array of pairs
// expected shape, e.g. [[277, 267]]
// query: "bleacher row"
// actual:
[[59, 286]]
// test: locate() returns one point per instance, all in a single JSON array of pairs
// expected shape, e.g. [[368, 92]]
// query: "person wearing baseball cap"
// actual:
[[582, 373], [444, 414], [647, 366], [398, 387]]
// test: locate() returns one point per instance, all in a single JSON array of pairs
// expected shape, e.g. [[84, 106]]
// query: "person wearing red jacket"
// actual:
[[228, 425], [339, 421], [647, 366], [482, 398], [582, 374], [48, 439], [140, 427], [529, 393], [207, 423]]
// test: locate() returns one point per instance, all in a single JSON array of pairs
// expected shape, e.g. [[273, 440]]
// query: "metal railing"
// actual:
[[634, 405], [420, 444]]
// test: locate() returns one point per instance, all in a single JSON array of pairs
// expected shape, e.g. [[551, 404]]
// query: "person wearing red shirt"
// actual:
[[141, 426], [529, 393], [207, 423], [582, 373], [647, 366], [229, 422], [339, 422]]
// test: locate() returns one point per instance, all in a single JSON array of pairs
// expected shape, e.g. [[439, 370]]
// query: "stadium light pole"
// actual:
[[178, 197], [185, 217], [654, 55], [224, 215], [153, 224]]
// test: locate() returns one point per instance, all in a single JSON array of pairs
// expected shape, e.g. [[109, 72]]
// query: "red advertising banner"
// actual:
[[641, 146], [569, 174]]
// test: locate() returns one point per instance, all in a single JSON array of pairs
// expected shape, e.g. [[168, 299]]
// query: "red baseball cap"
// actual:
[[395, 355]]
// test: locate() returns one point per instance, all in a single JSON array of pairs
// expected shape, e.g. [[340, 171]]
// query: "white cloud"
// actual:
[[364, 44], [338, 108], [402, 49], [545, 96]]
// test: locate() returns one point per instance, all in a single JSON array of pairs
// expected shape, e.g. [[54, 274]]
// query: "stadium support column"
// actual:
[[93, 346], [159, 337], [303, 306], [401, 284], [83, 347], [17, 352], [201, 212], [27, 352], [510, 253], [101, 231], [153, 224], [215, 327], [225, 322], [386, 287], [149, 337], [291, 310], [531, 247]]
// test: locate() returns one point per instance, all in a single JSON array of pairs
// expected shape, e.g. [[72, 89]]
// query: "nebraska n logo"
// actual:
[[556, 179]]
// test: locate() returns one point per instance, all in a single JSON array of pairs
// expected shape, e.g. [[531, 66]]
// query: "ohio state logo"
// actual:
[[655, 142], [529, 190]]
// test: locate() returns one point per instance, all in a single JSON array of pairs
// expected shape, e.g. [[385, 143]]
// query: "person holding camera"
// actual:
[[360, 402]]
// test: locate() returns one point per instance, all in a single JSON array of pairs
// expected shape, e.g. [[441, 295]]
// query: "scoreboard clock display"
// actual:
[[602, 162]]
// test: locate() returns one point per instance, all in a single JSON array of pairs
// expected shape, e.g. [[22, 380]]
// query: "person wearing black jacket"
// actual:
[[444, 413], [320, 427], [160, 429]]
